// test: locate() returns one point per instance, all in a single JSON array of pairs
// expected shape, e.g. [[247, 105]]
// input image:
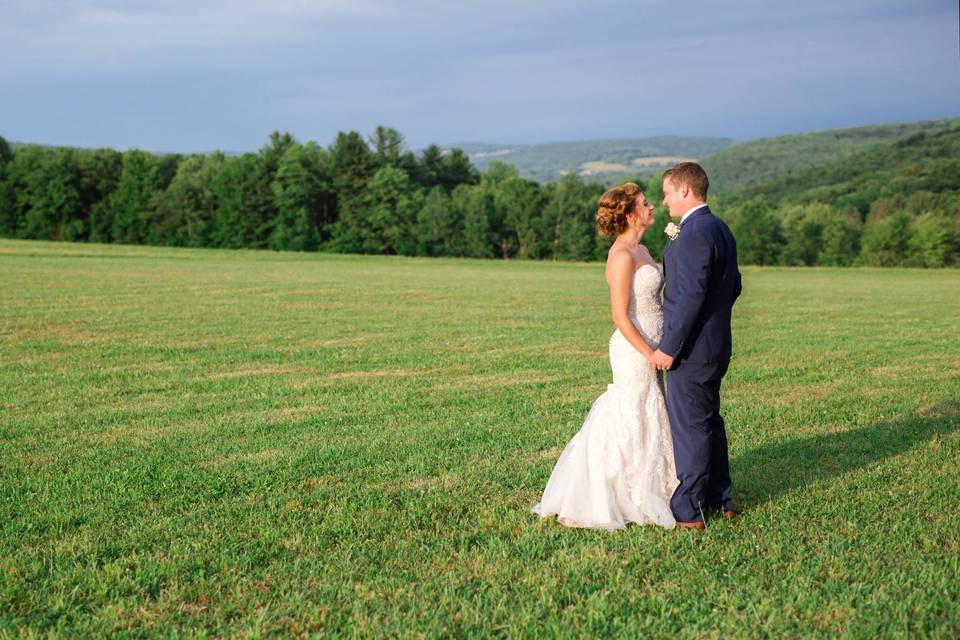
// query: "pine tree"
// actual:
[[297, 192], [129, 206]]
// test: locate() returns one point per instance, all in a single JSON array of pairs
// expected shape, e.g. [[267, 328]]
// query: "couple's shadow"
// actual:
[[764, 473]]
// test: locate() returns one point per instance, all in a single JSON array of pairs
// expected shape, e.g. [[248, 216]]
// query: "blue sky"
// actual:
[[195, 75]]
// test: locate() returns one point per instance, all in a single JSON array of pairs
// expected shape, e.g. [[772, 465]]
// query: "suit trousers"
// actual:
[[699, 440]]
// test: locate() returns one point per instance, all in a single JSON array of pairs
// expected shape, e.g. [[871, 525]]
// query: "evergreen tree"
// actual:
[[8, 212], [17, 191], [236, 222], [456, 169], [259, 219], [390, 149], [430, 167], [389, 212], [54, 211], [130, 202], [297, 190], [353, 166], [572, 207], [494, 181], [6, 154], [8, 226], [519, 206], [475, 207], [448, 169], [438, 228], [100, 172], [185, 211]]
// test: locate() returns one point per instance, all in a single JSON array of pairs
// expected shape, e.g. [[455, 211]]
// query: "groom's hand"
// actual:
[[660, 360]]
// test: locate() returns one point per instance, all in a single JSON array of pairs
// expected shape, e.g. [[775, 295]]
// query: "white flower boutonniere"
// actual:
[[672, 230]]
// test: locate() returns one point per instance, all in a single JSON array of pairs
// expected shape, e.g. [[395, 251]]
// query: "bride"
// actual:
[[619, 467]]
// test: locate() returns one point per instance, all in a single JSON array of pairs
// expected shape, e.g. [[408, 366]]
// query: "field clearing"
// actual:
[[235, 443], [659, 161], [599, 166]]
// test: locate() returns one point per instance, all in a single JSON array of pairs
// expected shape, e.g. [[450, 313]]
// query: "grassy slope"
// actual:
[[923, 162], [239, 442], [769, 159]]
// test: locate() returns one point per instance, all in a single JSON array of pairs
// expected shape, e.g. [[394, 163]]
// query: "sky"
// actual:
[[198, 75]]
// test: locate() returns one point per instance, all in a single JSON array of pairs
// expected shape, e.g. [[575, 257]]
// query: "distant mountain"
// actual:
[[601, 160], [772, 159]]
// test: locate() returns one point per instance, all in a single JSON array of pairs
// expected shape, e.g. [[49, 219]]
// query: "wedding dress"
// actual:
[[619, 467]]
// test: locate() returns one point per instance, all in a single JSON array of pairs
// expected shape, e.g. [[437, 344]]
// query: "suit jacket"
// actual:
[[702, 281]]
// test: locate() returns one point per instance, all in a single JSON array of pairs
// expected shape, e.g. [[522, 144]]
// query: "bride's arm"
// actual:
[[620, 276]]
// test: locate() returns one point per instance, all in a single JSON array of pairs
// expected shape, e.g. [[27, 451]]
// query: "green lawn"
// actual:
[[216, 443]]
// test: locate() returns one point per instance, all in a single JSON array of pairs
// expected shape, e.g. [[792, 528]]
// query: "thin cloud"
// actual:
[[193, 76]]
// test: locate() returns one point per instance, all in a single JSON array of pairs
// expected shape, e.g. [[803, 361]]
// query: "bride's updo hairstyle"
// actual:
[[613, 207]]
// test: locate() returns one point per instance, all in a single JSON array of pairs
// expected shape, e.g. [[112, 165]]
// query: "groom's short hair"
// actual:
[[690, 174]]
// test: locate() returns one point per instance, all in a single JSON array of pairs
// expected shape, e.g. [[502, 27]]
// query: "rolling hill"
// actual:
[[771, 159], [928, 162]]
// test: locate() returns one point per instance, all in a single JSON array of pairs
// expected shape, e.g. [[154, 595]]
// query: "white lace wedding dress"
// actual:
[[619, 467]]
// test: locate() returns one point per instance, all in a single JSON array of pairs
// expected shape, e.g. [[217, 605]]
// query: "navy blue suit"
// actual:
[[702, 282]]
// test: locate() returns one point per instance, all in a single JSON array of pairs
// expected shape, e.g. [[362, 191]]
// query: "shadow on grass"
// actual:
[[762, 474]]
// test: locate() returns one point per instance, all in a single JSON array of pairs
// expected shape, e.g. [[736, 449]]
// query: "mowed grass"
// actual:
[[216, 443]]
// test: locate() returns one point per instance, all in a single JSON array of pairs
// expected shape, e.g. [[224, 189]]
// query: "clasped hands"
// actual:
[[660, 361]]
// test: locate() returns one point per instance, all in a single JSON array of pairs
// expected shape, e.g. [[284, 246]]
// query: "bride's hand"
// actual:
[[652, 361], [660, 360]]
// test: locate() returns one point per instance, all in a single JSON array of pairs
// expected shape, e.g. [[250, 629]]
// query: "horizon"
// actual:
[[457, 144]]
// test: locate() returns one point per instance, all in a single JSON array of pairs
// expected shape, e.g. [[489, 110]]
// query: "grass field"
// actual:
[[215, 443]]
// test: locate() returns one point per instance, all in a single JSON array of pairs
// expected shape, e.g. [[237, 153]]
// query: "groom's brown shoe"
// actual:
[[699, 526], [722, 511]]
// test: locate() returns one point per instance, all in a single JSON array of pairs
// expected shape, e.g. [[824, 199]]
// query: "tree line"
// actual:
[[359, 195], [765, 160], [373, 195]]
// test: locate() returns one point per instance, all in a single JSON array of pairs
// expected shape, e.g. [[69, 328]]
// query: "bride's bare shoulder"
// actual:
[[647, 257], [620, 263], [618, 255]]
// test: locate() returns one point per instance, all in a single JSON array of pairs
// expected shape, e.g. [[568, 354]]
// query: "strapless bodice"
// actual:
[[647, 282], [645, 310]]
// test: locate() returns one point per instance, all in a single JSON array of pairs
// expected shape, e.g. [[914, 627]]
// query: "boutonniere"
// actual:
[[672, 230]]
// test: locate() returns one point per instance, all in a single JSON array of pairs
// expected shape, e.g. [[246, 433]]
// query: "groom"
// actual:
[[702, 282]]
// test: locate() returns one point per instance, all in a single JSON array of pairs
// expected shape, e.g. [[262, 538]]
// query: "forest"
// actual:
[[894, 204]]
